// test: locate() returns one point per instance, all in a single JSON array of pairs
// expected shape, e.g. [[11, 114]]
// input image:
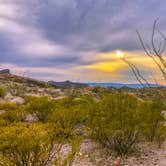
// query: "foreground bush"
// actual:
[[21, 145], [115, 122], [121, 120], [34, 145]]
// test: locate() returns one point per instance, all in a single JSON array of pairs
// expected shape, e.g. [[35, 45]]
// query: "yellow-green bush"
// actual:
[[152, 119], [9, 106], [2, 91], [33, 145], [11, 113], [41, 106], [69, 114], [121, 120], [22, 145]]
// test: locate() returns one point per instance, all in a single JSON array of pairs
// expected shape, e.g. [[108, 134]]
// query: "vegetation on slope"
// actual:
[[118, 121]]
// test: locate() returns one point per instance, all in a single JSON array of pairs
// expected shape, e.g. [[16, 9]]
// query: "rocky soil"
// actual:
[[148, 154]]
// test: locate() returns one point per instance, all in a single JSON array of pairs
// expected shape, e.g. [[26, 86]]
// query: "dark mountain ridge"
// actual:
[[68, 84]]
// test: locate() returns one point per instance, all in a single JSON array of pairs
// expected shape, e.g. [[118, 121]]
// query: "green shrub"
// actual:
[[2, 91], [160, 135], [20, 145], [9, 106], [11, 116], [121, 120], [69, 114], [152, 119], [11, 113], [35, 145], [63, 121], [41, 106], [115, 122]]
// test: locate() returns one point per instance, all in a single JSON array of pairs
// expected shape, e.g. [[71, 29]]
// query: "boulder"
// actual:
[[8, 96], [18, 100]]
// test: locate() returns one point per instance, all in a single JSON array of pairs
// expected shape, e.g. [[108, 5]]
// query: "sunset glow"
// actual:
[[119, 54]]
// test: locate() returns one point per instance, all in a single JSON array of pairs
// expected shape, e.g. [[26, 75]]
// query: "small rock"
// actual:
[[31, 118], [80, 153], [18, 100], [33, 94], [59, 97], [117, 161], [41, 90], [2, 101], [57, 91], [2, 112], [8, 96]]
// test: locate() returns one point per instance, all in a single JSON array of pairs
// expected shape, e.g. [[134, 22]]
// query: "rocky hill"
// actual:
[[5, 71], [24, 86], [6, 77]]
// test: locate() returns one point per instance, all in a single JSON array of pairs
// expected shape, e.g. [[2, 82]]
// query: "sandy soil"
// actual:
[[148, 154]]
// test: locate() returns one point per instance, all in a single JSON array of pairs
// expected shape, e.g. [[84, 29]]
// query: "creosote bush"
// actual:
[[115, 122], [69, 113], [121, 120], [41, 106], [2, 91], [152, 120], [26, 146], [11, 113], [21, 145], [34, 145]]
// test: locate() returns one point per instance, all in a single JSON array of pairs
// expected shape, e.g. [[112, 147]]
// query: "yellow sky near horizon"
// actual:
[[111, 62]]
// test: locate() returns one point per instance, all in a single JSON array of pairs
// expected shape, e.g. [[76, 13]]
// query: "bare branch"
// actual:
[[154, 46], [151, 55], [135, 72]]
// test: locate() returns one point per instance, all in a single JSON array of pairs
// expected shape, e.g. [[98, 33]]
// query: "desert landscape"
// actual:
[[82, 83]]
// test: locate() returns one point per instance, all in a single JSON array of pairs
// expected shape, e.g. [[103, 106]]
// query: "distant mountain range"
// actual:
[[118, 85], [68, 84]]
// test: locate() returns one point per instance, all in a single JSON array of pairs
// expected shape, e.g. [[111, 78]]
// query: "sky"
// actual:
[[77, 40]]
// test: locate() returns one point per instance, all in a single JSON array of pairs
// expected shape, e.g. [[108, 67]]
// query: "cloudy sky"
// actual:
[[77, 39]]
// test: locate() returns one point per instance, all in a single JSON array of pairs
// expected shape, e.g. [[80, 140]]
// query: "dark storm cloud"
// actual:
[[96, 24]]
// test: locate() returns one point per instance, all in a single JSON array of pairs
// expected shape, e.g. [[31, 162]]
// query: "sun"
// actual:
[[120, 54]]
